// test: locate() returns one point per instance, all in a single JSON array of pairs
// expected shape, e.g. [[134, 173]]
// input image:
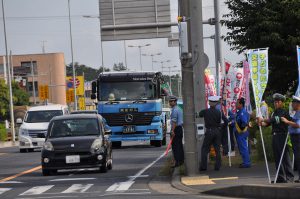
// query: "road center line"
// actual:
[[20, 174], [71, 179]]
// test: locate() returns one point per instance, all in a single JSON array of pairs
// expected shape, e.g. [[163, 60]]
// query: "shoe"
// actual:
[[279, 181], [242, 166], [202, 169]]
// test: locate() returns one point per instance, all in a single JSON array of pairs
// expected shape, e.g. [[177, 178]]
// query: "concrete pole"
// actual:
[[190, 151], [33, 85], [4, 70], [73, 67], [140, 50], [170, 81], [11, 105], [125, 54], [218, 41]]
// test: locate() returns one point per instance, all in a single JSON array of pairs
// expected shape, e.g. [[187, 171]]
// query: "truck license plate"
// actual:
[[72, 159], [129, 129]]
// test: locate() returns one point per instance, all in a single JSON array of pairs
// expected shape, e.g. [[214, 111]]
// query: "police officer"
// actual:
[[279, 132], [176, 131], [241, 132], [212, 120], [294, 130]]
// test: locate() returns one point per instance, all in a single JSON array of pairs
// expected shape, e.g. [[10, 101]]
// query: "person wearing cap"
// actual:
[[176, 131], [212, 119], [241, 132], [279, 133], [294, 130]]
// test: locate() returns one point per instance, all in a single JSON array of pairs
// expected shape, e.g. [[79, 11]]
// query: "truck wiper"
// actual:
[[139, 101], [113, 102]]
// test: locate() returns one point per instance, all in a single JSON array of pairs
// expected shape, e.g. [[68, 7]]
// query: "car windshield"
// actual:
[[126, 90], [41, 116], [74, 127]]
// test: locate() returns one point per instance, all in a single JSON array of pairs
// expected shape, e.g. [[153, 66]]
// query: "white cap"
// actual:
[[296, 99], [214, 98]]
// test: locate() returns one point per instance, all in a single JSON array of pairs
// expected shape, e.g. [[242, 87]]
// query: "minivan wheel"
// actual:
[[103, 168]]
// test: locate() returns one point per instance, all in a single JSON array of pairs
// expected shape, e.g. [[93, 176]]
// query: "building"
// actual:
[[44, 70]]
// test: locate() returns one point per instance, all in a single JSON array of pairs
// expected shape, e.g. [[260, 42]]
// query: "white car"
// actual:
[[34, 127]]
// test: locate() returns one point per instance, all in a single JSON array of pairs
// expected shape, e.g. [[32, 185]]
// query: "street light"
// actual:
[[140, 49], [12, 121], [73, 67], [152, 55], [169, 67], [162, 63]]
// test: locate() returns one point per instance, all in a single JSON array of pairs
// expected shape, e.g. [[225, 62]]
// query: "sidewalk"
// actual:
[[235, 182], [8, 144]]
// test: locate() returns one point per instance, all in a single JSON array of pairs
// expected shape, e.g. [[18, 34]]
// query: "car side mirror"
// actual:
[[19, 121], [93, 96]]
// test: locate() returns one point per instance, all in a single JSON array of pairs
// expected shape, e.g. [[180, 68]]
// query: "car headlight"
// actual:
[[96, 146], [23, 132], [48, 146]]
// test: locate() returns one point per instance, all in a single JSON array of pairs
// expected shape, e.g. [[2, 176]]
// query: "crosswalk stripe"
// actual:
[[78, 188], [37, 190], [2, 190]]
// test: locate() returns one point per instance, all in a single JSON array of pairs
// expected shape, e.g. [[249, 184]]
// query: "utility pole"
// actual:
[[191, 62], [218, 44], [33, 84]]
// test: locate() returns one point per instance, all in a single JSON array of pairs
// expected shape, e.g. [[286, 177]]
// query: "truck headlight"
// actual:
[[96, 146], [152, 131], [48, 146], [23, 132]]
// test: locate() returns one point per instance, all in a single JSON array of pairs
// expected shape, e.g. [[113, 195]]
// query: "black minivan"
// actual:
[[76, 141]]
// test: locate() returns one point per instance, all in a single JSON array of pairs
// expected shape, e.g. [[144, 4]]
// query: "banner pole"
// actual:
[[229, 146], [266, 161], [279, 165]]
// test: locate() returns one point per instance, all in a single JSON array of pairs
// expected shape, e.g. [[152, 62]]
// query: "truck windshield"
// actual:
[[41, 116], [126, 90]]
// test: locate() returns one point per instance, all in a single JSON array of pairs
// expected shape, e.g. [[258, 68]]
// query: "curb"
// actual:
[[258, 191], [9, 144], [176, 183], [244, 191]]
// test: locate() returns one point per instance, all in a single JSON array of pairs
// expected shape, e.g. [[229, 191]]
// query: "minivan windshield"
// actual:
[[41, 116], [74, 127]]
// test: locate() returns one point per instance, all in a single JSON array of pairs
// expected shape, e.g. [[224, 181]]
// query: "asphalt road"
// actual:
[[134, 174]]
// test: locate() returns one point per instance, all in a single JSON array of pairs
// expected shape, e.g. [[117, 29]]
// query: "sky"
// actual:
[[30, 23]]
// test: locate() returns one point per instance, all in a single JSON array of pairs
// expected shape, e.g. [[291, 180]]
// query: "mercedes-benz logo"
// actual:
[[128, 118]]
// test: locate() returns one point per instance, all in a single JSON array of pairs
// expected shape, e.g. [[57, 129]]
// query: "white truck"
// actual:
[[34, 127]]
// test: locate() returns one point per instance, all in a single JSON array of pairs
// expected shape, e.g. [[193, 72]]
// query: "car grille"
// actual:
[[37, 133], [118, 119]]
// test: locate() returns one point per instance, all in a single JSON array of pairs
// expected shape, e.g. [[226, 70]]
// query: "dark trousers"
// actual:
[[295, 138], [285, 171], [177, 146], [212, 137]]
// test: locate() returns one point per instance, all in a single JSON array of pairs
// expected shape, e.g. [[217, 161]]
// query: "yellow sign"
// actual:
[[79, 84], [81, 101], [43, 92], [70, 95]]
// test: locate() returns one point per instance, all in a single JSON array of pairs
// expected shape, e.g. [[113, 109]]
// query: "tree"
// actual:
[[267, 23], [119, 67], [20, 97], [89, 73]]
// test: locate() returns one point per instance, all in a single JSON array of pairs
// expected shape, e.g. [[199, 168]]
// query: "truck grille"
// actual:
[[118, 119]]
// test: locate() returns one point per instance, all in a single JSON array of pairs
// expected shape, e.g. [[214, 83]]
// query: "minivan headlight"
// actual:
[[23, 132], [48, 146], [96, 146]]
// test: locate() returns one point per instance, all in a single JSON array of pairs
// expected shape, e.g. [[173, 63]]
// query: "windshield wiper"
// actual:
[[139, 101], [113, 102]]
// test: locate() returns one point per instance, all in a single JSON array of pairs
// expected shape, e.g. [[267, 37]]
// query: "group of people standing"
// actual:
[[215, 123]]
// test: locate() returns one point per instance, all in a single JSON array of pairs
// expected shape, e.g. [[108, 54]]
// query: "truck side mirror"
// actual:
[[94, 87], [93, 96]]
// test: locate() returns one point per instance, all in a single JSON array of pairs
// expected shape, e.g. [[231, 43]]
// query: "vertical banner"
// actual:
[[245, 93], [298, 58], [258, 63], [210, 89], [233, 86]]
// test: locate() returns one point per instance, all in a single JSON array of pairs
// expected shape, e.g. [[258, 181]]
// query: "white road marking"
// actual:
[[2, 190], [141, 176], [11, 182], [121, 193], [78, 188], [71, 179], [44, 197], [37, 190], [124, 186]]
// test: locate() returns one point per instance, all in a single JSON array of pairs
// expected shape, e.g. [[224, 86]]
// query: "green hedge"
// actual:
[[3, 134]]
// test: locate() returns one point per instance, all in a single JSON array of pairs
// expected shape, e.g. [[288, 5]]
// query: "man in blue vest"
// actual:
[[294, 130], [241, 132]]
